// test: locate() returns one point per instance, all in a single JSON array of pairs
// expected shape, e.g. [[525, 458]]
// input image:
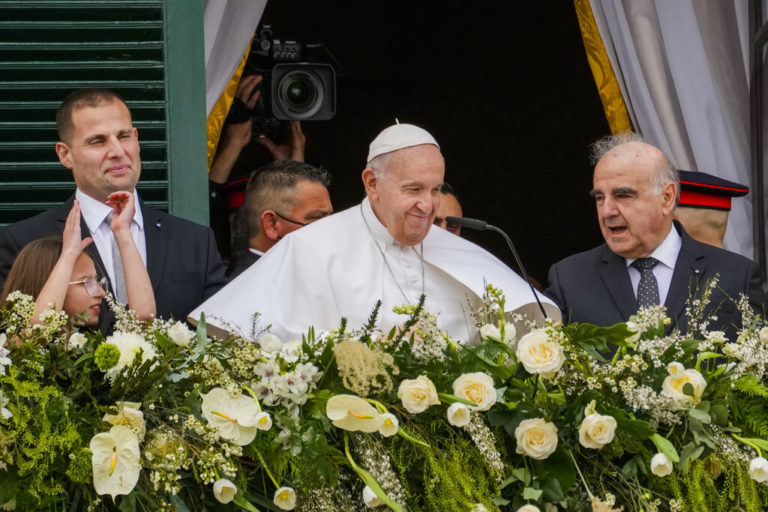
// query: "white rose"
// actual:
[[76, 341], [389, 425], [596, 431], [476, 387], [224, 490], [758, 469], [536, 438], [180, 334], [675, 382], [529, 508], [458, 414], [417, 394], [540, 355], [370, 498], [661, 465]]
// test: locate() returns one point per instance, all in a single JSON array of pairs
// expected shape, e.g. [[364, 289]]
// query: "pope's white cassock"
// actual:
[[341, 265]]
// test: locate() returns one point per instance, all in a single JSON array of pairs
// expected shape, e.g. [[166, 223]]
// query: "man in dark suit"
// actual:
[[281, 197], [647, 257], [99, 144]]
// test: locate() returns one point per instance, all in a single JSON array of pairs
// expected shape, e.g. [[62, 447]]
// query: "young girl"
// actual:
[[59, 272]]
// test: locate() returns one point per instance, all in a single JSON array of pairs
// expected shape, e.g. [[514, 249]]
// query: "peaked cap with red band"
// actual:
[[702, 190]]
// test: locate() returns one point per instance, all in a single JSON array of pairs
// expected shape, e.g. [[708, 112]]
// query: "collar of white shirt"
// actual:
[[377, 229], [94, 212], [667, 251]]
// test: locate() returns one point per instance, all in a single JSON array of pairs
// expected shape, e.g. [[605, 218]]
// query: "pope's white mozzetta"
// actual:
[[315, 277]]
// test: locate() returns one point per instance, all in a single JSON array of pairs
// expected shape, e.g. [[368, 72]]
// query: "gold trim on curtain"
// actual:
[[602, 71], [221, 109]]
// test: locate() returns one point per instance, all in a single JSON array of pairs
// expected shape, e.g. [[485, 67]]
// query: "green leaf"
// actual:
[[665, 447], [7, 486], [700, 415], [688, 389], [243, 503], [522, 474], [553, 491], [703, 356], [500, 502], [529, 493], [589, 335]]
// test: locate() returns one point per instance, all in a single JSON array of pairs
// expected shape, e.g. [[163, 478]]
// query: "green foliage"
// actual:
[[751, 412], [714, 484]]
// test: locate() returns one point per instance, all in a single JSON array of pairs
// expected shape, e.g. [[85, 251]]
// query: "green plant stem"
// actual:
[[266, 468]]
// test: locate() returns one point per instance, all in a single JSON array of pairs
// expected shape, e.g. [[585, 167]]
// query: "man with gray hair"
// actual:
[[281, 197], [382, 249], [647, 258]]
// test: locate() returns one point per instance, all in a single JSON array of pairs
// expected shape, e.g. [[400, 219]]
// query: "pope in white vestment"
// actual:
[[382, 249]]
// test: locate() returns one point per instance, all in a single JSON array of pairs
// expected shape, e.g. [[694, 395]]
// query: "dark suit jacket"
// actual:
[[182, 260], [241, 264], [594, 286]]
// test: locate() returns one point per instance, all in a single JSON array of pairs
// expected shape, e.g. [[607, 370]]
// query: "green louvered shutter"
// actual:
[[145, 50]]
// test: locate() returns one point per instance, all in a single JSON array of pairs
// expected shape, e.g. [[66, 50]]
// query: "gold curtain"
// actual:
[[605, 79], [221, 109]]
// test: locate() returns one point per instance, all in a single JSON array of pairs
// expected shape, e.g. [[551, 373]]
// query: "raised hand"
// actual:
[[73, 244], [123, 209]]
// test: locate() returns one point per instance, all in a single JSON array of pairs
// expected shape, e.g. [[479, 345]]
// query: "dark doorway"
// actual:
[[503, 86]]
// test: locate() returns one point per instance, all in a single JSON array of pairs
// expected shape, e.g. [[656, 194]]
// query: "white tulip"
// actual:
[[661, 465], [370, 498], [758, 469], [224, 490], [458, 414]]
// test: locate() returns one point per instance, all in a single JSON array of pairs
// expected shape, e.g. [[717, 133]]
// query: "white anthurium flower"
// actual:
[[236, 417], [129, 415], [370, 498], [224, 490], [476, 387], [661, 465], [263, 421], [285, 498], [539, 354], [350, 412], [180, 334], [758, 469], [674, 385], [116, 461], [458, 414], [389, 425]]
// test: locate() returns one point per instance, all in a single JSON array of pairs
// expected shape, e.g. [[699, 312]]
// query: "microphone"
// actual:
[[481, 225]]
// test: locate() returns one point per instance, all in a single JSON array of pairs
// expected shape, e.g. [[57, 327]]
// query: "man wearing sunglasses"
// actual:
[[281, 197]]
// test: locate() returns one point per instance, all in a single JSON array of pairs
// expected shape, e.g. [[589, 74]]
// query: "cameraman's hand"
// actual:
[[293, 150], [236, 136]]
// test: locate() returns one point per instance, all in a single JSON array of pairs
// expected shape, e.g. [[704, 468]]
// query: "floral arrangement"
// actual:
[[563, 417]]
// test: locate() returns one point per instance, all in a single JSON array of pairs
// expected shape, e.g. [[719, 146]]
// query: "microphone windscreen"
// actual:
[[468, 223]]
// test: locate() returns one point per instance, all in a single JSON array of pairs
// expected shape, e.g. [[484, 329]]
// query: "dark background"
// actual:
[[504, 87]]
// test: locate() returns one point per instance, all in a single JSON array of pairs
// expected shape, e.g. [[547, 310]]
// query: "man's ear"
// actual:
[[269, 225], [669, 198], [370, 182], [64, 154]]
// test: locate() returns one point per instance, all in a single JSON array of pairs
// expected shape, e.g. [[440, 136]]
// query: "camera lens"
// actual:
[[300, 93]]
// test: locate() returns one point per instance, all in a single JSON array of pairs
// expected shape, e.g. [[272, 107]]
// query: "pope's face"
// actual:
[[634, 215], [407, 198], [103, 153]]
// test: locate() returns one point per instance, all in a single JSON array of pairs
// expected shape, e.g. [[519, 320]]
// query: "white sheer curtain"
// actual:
[[229, 27], [683, 68]]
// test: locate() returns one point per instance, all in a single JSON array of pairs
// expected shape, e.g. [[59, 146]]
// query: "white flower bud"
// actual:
[[661, 465]]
